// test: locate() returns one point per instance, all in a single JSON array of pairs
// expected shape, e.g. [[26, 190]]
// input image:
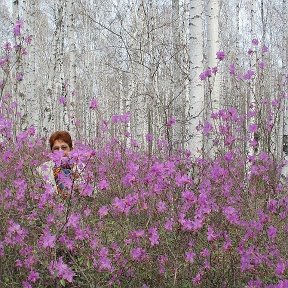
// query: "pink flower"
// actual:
[[17, 27], [171, 122], [211, 235], [138, 254], [87, 191], [207, 128], [190, 256], [169, 225], [3, 61], [261, 64], [255, 42], [149, 137], [250, 52], [7, 46], [105, 264], [48, 240], [33, 276], [93, 104], [231, 214], [61, 270], [265, 49], [272, 232], [28, 39], [103, 211], [205, 74], [103, 184], [153, 236], [73, 220], [19, 76], [26, 284], [280, 268], [214, 70], [220, 55], [249, 75], [232, 69], [161, 206], [253, 128], [62, 100]]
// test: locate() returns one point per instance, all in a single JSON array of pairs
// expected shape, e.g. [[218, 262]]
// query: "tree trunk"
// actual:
[[196, 91]]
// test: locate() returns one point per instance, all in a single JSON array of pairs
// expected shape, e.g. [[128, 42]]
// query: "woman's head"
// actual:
[[61, 140]]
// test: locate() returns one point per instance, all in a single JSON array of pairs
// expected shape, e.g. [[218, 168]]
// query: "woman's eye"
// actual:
[[56, 148]]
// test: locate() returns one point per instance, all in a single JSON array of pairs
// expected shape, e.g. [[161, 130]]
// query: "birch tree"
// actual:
[[196, 91], [213, 46]]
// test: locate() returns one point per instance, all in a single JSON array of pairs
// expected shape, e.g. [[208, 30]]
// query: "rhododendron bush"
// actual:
[[142, 220], [137, 219]]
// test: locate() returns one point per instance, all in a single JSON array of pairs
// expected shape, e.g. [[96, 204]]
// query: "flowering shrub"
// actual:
[[130, 219]]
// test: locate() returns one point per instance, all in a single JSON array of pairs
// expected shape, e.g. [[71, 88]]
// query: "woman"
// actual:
[[63, 173]]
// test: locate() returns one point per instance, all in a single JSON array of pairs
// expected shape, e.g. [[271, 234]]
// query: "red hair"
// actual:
[[60, 135]]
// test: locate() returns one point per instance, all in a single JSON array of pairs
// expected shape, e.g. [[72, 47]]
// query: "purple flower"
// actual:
[[232, 69], [231, 214], [28, 39], [103, 184], [265, 49], [220, 55], [93, 104], [171, 121], [253, 128], [250, 52], [205, 74], [215, 70], [272, 232], [19, 76], [154, 236], [207, 128], [7, 46], [87, 191], [17, 27], [61, 270], [48, 240], [26, 284], [149, 137], [280, 268], [161, 206], [105, 264], [249, 75], [3, 61], [190, 256], [255, 42], [181, 180], [169, 225], [138, 254], [261, 64], [33, 276], [73, 220], [103, 211], [62, 100], [211, 235], [188, 196]]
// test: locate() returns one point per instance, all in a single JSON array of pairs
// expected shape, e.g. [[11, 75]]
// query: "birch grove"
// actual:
[[143, 58]]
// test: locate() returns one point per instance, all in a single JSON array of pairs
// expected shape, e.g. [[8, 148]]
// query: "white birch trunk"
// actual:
[[177, 101], [213, 47], [284, 142], [54, 86], [72, 90], [21, 116], [196, 93], [32, 98]]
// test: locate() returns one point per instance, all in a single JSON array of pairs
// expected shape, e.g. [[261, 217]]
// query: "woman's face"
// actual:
[[61, 145]]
